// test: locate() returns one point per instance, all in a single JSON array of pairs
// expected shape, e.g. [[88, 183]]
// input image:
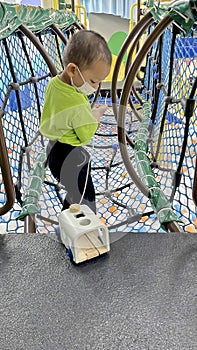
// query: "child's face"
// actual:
[[93, 75]]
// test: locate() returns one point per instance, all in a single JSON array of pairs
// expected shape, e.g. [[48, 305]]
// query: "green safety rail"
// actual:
[[34, 188], [159, 201]]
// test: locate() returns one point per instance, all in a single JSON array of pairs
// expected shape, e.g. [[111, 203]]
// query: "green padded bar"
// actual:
[[34, 188], [160, 203]]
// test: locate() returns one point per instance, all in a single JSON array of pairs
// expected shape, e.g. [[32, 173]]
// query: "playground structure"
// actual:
[[145, 149]]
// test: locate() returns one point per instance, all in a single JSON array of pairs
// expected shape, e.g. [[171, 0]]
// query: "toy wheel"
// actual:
[[69, 253]]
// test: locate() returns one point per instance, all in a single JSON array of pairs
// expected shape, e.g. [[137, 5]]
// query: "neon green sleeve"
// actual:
[[84, 124]]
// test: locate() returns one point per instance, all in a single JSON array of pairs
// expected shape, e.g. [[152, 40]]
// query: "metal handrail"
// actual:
[[77, 10], [132, 22]]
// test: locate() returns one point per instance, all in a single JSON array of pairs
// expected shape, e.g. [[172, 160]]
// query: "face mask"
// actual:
[[86, 88]]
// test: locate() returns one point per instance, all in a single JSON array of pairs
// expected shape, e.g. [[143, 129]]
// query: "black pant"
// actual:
[[69, 165]]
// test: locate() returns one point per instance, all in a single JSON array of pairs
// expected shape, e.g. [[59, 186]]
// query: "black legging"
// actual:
[[69, 165]]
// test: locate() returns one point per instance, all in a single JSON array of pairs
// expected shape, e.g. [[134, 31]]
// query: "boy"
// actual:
[[67, 119]]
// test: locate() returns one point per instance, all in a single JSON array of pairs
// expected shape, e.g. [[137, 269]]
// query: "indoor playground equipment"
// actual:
[[144, 152]]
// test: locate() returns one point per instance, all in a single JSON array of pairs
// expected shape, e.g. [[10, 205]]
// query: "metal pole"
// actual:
[[73, 5]]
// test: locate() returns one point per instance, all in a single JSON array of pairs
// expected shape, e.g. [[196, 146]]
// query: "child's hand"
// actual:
[[98, 110], [102, 108]]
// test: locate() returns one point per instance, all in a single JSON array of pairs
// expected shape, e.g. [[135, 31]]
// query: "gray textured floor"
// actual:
[[143, 295]]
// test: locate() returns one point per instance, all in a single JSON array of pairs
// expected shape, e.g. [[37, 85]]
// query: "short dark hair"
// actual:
[[86, 47]]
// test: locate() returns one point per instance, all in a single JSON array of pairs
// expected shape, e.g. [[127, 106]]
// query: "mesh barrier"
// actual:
[[25, 72], [170, 77], [169, 108], [184, 73]]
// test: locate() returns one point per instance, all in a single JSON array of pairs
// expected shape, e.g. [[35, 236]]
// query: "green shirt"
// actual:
[[67, 115]]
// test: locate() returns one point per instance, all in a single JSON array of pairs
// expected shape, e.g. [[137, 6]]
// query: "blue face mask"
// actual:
[[85, 88]]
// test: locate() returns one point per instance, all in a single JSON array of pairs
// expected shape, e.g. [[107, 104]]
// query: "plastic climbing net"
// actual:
[[31, 54]]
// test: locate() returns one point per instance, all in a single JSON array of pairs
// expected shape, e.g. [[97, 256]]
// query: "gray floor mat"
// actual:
[[142, 295]]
